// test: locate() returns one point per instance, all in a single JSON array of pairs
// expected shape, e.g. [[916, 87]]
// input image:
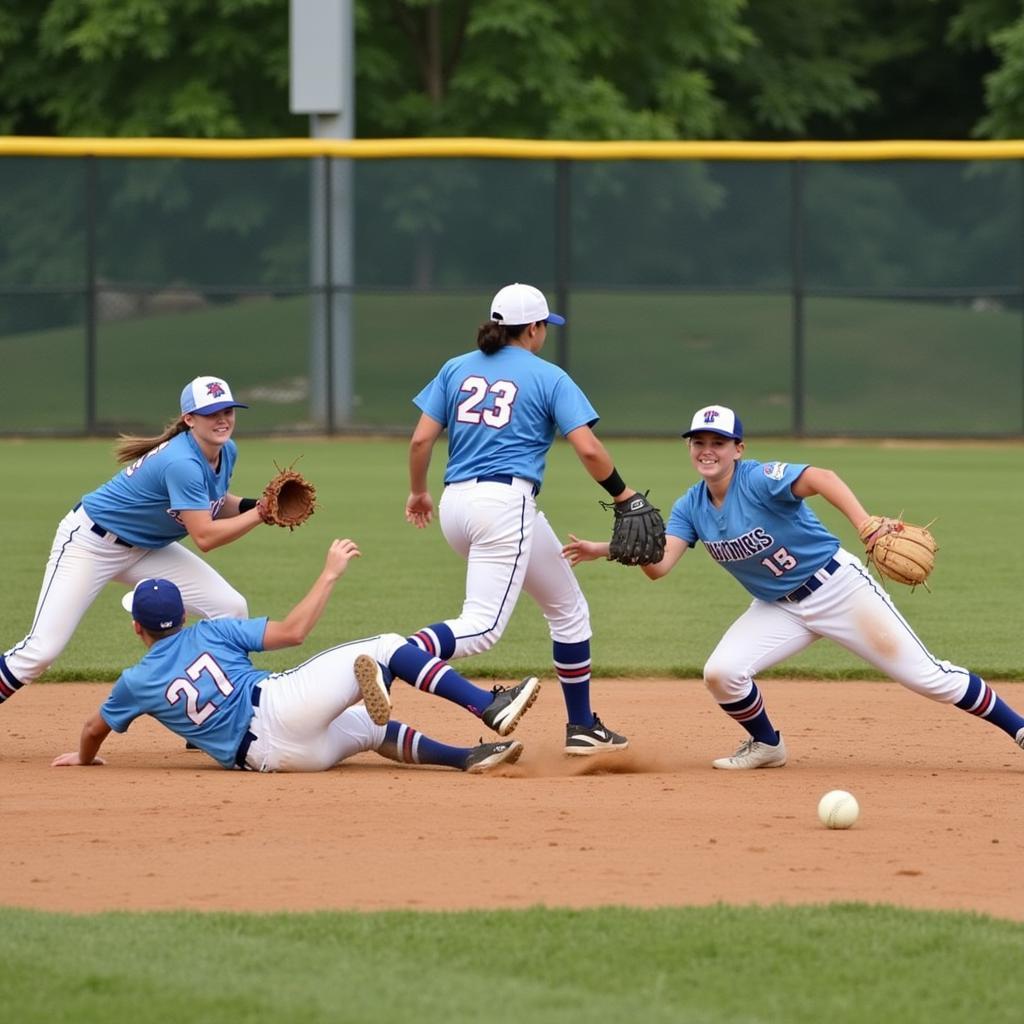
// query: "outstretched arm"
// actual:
[[577, 551], [299, 622], [209, 533], [834, 490], [94, 732], [419, 506]]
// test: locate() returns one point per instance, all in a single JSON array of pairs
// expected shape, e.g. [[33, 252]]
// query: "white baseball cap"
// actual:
[[206, 395], [519, 304], [716, 419]]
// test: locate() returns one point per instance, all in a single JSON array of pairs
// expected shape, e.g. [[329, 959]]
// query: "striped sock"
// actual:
[[572, 663], [9, 686], [750, 713], [981, 700], [437, 677], [437, 640], [407, 745]]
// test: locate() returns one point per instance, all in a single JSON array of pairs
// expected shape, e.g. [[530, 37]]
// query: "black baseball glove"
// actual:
[[638, 535]]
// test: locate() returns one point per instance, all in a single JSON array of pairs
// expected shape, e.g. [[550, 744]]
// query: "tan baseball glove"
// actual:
[[288, 500], [899, 551]]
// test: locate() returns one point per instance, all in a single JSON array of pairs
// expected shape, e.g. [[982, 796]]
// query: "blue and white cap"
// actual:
[[716, 419], [518, 304], [206, 395], [155, 605]]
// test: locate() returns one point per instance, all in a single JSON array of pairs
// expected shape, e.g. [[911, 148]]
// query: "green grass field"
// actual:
[[847, 964], [407, 578]]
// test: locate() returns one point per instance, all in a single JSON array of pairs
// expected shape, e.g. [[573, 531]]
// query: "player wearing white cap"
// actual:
[[501, 406], [753, 520], [173, 485]]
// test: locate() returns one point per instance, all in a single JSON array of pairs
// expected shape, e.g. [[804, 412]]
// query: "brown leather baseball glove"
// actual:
[[288, 500], [900, 551]]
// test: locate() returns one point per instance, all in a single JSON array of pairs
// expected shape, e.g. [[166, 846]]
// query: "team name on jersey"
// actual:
[[736, 549]]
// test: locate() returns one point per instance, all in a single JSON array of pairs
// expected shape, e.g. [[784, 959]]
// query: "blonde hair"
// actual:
[[129, 447]]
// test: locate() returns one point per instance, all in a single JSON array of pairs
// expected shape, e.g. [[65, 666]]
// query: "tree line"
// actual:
[[559, 69]]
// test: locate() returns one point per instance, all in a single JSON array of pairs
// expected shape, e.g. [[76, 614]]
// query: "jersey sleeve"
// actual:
[[119, 710], [186, 486], [774, 481], [433, 399], [245, 634], [680, 520], [570, 406]]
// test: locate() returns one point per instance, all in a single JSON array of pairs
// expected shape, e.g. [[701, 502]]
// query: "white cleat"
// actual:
[[754, 754], [370, 680]]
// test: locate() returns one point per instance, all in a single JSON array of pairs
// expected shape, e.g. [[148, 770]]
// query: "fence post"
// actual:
[[91, 303], [797, 270], [563, 254]]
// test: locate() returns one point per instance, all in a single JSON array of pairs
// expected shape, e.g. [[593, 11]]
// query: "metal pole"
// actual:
[[91, 303], [797, 270], [328, 296], [563, 254]]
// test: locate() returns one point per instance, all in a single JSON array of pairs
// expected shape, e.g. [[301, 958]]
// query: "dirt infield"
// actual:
[[161, 828]]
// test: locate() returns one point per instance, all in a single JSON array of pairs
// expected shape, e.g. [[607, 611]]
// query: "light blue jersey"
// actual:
[[198, 683], [141, 503], [501, 412], [766, 537]]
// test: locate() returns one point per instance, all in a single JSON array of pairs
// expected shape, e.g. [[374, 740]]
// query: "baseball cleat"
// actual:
[[485, 756], [370, 680], [1019, 739], [752, 753], [509, 705], [595, 738]]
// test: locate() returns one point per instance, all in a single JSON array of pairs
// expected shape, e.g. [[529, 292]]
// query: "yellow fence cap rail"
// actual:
[[512, 149]]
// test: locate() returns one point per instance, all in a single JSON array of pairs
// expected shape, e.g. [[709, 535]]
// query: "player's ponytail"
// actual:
[[130, 447], [493, 337]]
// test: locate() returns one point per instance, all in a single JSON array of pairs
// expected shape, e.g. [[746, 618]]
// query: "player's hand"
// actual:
[[339, 554], [577, 550], [419, 509], [71, 758]]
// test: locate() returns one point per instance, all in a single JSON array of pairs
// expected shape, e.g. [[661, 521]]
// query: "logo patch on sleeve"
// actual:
[[775, 470]]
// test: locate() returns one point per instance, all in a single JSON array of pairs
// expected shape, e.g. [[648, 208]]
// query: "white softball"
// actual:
[[838, 809]]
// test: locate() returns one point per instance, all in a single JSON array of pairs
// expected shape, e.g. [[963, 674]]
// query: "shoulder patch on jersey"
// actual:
[[775, 470]]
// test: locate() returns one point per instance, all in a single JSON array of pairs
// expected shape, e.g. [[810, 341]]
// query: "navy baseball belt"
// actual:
[[502, 478], [247, 740], [100, 532], [808, 588]]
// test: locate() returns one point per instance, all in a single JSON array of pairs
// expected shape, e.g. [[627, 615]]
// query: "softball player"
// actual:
[[201, 684], [501, 406], [753, 521], [171, 486]]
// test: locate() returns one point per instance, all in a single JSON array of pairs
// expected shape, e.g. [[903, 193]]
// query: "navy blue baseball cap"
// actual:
[[206, 395], [155, 605], [716, 419]]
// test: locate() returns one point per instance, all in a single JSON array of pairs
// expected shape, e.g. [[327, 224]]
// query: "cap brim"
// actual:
[[217, 406], [126, 601], [554, 318], [711, 430]]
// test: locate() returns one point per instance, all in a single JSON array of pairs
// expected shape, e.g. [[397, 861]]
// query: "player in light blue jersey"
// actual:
[[753, 520], [200, 682], [502, 406], [172, 486]]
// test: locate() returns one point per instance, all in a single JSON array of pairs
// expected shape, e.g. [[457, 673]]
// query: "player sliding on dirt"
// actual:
[[753, 521], [200, 683]]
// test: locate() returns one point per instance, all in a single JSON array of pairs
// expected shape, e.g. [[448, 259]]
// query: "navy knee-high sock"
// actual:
[[427, 673], [409, 746], [981, 700], [750, 713], [572, 663], [436, 639]]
